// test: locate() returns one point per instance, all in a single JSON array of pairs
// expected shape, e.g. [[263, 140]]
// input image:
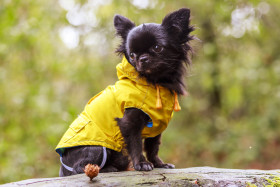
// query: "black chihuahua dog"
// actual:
[[159, 54]]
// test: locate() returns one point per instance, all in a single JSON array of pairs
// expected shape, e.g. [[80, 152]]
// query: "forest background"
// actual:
[[55, 55]]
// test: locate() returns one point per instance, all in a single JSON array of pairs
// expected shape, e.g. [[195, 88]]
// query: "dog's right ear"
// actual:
[[122, 25]]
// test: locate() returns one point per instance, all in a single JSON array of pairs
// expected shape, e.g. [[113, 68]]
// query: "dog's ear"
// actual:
[[177, 24], [122, 25]]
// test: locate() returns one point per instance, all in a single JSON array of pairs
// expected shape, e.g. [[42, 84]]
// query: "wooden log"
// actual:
[[197, 176]]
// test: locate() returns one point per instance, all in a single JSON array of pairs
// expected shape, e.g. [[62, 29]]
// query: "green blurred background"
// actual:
[[55, 55]]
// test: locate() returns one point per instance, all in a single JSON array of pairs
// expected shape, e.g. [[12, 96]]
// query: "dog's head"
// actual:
[[157, 51]]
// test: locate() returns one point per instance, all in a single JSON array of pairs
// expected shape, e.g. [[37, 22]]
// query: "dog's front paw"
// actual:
[[167, 166], [144, 166]]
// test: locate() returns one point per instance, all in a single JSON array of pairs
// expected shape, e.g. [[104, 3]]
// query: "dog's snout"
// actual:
[[144, 58]]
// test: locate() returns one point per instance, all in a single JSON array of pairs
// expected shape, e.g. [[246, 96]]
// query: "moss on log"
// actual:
[[197, 176]]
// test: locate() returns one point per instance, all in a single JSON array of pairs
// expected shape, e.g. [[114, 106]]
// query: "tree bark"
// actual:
[[197, 176]]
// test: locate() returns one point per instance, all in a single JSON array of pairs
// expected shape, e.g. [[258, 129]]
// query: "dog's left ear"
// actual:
[[177, 24]]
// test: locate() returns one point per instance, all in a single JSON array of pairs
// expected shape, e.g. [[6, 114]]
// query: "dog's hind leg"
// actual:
[[78, 157], [116, 162]]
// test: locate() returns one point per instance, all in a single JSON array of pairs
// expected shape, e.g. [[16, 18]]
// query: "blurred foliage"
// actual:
[[230, 118]]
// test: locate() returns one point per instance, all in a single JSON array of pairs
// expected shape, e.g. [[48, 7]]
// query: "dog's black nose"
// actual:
[[144, 58]]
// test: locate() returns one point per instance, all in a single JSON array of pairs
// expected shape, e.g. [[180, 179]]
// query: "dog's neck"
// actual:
[[175, 84]]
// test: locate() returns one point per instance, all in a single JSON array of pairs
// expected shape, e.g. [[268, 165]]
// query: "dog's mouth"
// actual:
[[148, 71], [144, 67], [145, 71]]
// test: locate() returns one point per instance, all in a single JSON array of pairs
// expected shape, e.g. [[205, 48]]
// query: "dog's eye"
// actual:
[[157, 48], [132, 55]]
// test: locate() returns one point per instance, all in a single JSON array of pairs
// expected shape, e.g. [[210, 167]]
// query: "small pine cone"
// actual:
[[92, 170]]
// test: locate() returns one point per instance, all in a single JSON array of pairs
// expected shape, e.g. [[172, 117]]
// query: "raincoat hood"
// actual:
[[126, 71]]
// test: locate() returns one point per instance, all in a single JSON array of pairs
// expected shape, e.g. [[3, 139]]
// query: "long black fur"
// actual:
[[173, 34], [160, 53]]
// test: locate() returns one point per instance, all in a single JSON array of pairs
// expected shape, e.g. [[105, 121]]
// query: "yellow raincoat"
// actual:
[[96, 125]]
